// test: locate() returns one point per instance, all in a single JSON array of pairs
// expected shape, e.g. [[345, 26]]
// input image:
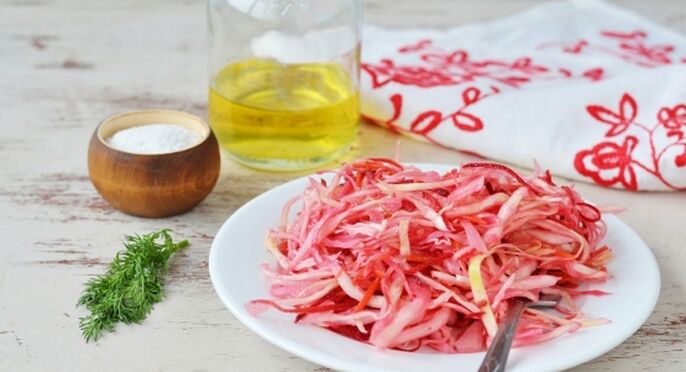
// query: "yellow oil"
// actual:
[[275, 116]]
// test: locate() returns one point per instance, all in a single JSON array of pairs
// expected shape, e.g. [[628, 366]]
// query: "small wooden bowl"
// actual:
[[157, 185]]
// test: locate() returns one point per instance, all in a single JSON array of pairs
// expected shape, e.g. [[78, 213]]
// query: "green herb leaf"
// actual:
[[134, 282]]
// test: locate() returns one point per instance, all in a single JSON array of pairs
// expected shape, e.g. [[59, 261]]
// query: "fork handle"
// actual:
[[496, 356]]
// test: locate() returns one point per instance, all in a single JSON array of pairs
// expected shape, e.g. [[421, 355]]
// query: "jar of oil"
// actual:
[[276, 116], [284, 96]]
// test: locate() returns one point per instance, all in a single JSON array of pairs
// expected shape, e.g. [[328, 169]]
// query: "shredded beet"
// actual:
[[402, 258]]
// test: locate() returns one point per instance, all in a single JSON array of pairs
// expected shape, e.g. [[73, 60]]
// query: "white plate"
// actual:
[[238, 250]]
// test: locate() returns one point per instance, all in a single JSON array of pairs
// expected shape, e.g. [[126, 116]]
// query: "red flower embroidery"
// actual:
[[467, 122], [424, 123], [440, 67], [594, 74], [658, 54], [443, 59], [525, 64], [608, 163], [634, 35], [619, 120], [470, 95], [680, 160], [632, 47], [575, 48], [387, 72], [632, 43], [419, 45], [672, 118], [448, 68]]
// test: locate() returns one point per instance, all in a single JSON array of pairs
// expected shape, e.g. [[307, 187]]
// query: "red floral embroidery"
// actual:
[[450, 68], [618, 121], [443, 68], [397, 102], [428, 120], [576, 48], [594, 74], [672, 118], [638, 34], [637, 50], [630, 46], [609, 163], [470, 95], [421, 44], [387, 72], [658, 54], [680, 160], [466, 121]]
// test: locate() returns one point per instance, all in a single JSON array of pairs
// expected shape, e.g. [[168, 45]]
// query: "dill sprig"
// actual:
[[133, 283]]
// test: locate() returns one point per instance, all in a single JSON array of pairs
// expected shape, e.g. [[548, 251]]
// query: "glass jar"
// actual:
[[284, 89]]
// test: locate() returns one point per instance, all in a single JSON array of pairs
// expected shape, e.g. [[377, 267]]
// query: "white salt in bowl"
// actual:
[[154, 185]]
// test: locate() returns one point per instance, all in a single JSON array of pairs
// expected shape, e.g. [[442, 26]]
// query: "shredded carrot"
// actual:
[[368, 294]]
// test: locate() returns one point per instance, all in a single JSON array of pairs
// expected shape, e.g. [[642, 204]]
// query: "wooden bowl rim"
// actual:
[[205, 132]]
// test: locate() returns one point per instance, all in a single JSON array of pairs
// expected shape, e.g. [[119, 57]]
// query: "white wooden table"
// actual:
[[66, 65]]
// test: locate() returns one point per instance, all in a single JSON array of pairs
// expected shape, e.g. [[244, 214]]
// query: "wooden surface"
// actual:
[[66, 65]]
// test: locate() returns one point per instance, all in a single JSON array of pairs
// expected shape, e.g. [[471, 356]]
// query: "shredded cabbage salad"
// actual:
[[403, 258]]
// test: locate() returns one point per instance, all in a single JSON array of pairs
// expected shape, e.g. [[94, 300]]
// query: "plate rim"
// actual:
[[339, 363]]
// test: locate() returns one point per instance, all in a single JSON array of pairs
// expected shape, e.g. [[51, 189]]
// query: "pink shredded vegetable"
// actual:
[[402, 258]]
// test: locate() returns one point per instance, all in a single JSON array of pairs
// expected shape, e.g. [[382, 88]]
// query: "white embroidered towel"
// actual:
[[589, 90]]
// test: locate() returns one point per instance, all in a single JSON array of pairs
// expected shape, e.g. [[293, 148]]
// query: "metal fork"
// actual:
[[496, 356]]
